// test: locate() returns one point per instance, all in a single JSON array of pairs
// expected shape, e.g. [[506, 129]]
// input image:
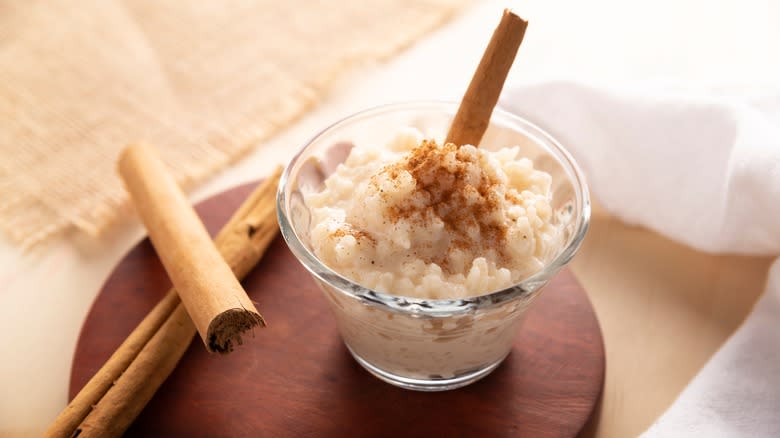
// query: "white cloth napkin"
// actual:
[[703, 170]]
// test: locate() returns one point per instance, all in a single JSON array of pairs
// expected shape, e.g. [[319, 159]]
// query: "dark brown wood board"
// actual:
[[295, 377]]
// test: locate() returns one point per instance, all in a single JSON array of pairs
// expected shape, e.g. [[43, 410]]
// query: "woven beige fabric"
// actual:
[[202, 81]]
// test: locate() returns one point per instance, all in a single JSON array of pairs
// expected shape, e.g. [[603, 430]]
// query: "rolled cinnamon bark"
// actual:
[[138, 383], [70, 418], [121, 388], [216, 302], [475, 109]]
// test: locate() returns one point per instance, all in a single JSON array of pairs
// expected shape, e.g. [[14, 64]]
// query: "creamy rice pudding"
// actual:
[[430, 255], [419, 219]]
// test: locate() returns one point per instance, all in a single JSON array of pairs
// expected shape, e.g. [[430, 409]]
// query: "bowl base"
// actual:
[[426, 385]]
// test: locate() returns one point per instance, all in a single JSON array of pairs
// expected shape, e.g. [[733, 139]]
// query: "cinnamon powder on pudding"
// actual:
[[349, 230], [416, 218], [451, 187]]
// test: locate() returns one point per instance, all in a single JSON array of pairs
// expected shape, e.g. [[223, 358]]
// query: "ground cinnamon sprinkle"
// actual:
[[468, 203], [348, 230]]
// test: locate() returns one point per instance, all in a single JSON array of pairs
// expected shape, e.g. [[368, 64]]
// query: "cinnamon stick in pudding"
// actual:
[[474, 112], [216, 302]]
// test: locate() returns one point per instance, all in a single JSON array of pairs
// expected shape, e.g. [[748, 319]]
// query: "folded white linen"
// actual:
[[737, 394], [703, 170]]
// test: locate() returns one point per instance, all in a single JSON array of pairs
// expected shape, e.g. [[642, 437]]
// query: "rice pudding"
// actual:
[[430, 255], [419, 219]]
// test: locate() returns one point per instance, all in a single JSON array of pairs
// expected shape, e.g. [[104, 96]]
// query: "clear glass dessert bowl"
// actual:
[[426, 344]]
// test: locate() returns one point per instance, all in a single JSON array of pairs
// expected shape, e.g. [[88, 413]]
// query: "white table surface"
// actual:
[[731, 44]]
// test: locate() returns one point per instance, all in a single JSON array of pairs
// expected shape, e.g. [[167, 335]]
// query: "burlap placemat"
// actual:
[[202, 81]]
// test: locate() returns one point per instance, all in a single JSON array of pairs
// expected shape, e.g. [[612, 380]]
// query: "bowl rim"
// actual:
[[422, 307]]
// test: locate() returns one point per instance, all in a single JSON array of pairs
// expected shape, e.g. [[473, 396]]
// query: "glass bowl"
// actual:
[[421, 344]]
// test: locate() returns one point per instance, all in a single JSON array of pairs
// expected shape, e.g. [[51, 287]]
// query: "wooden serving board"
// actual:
[[295, 377]]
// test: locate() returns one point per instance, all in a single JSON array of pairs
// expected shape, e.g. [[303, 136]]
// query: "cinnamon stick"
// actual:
[[96, 387], [242, 242], [475, 109], [117, 409], [215, 300]]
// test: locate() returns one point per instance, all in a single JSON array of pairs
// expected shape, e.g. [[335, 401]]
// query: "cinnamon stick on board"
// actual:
[[474, 112], [215, 300], [79, 407], [242, 242]]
